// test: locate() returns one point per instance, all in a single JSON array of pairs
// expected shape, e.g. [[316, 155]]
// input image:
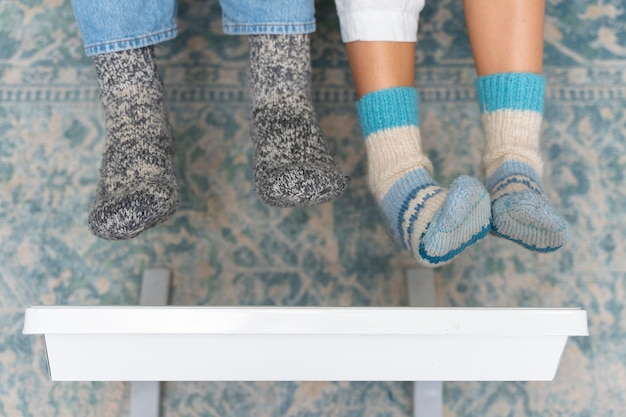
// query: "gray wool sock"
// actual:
[[292, 163], [138, 188]]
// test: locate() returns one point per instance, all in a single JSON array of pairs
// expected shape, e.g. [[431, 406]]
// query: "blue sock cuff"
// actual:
[[389, 108], [511, 90]]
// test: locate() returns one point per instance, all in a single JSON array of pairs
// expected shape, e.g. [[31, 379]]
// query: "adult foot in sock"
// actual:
[[138, 188], [292, 163]]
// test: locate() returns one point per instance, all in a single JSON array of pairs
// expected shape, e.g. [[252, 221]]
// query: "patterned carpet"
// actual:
[[225, 247]]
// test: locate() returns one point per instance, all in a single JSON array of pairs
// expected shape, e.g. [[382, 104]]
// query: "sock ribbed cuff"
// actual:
[[280, 68], [511, 90], [400, 106], [119, 70]]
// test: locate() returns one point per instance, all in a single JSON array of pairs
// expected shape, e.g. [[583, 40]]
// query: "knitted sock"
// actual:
[[137, 187], [292, 164], [511, 111], [432, 223]]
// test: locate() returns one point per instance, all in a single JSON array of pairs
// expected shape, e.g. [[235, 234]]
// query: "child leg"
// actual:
[[292, 163], [137, 187], [432, 223], [507, 43]]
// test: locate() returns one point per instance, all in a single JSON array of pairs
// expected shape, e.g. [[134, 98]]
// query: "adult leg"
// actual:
[[507, 44], [292, 162], [433, 223], [138, 187]]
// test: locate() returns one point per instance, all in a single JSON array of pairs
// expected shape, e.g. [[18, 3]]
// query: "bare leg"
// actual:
[[507, 44], [380, 65], [506, 35]]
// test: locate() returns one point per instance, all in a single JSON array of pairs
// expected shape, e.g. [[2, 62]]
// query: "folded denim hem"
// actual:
[[130, 43], [268, 28]]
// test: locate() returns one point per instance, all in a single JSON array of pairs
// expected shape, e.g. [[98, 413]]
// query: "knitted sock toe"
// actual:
[[521, 211], [292, 165], [462, 220]]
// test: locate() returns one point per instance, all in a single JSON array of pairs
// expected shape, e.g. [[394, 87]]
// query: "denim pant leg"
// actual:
[[379, 20], [117, 25], [263, 17]]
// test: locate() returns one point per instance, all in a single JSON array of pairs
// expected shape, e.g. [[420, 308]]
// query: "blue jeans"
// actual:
[[117, 25]]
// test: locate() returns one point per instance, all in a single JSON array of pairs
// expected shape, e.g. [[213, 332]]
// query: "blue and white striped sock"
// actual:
[[432, 223], [511, 106]]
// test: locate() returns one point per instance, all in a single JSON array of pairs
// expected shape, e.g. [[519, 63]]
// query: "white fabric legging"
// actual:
[[379, 20]]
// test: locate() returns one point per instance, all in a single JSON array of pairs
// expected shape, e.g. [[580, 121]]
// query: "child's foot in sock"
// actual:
[[292, 164], [521, 212], [433, 224], [511, 107], [138, 187]]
